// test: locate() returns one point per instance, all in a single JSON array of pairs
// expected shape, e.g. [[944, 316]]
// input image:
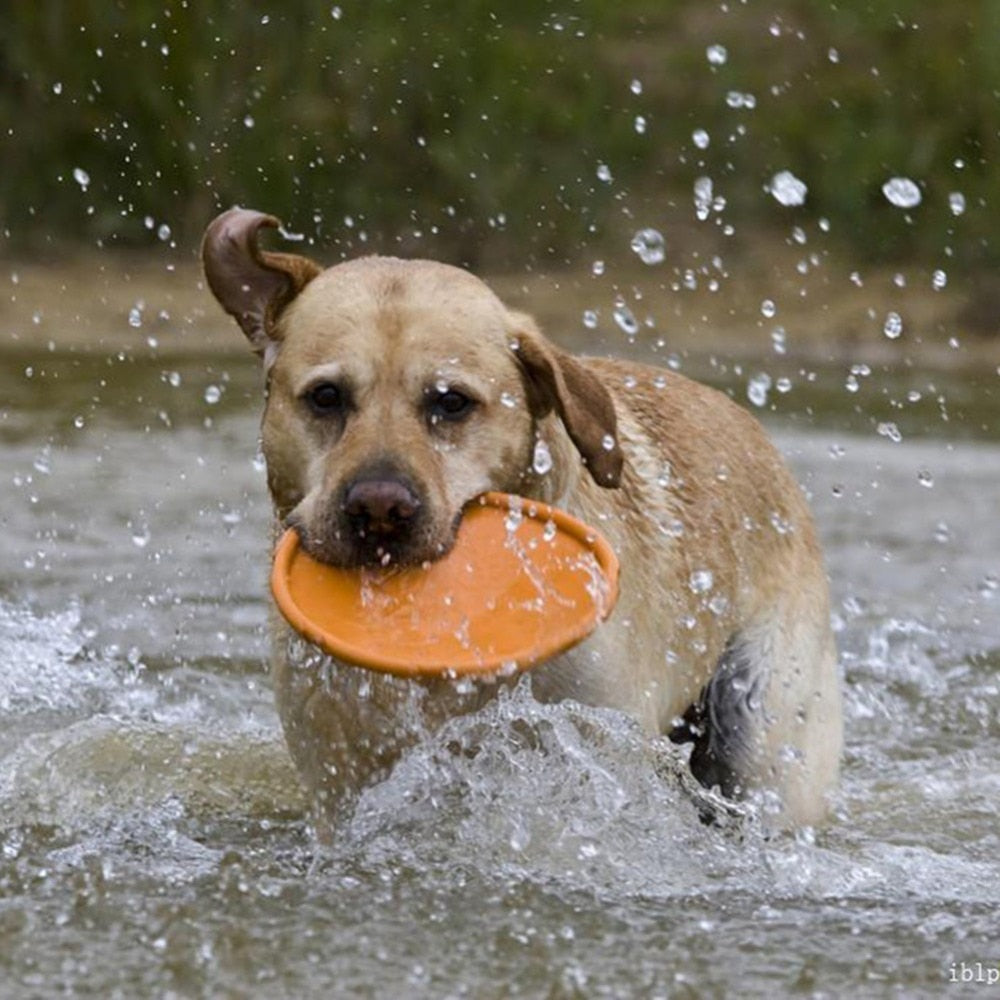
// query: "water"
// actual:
[[153, 840]]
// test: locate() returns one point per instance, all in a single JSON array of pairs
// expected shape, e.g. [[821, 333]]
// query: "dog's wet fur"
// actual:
[[399, 390]]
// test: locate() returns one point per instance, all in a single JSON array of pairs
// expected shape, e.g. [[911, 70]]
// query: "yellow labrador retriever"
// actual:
[[398, 390]]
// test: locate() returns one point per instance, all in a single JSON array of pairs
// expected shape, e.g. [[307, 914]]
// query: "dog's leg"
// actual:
[[759, 728], [723, 721]]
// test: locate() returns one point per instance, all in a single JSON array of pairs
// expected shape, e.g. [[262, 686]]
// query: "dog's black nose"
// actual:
[[381, 507]]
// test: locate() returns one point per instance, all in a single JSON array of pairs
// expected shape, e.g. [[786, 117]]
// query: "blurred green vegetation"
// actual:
[[468, 128]]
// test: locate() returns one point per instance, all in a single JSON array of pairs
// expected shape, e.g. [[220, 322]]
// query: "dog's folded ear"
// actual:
[[251, 284], [558, 381]]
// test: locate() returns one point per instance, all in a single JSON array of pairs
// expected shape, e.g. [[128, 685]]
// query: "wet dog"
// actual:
[[398, 390]]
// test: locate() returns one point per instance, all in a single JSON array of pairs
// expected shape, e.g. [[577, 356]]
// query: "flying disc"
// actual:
[[523, 581]]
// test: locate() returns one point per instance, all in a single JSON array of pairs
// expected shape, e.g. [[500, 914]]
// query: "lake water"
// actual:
[[152, 834]]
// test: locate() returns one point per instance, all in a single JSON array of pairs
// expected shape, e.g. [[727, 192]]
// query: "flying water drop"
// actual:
[[893, 326], [625, 319], [541, 462], [648, 245], [758, 387], [787, 189], [902, 192]]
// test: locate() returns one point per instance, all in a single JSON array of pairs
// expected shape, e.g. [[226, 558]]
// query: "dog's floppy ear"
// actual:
[[556, 380], [251, 284]]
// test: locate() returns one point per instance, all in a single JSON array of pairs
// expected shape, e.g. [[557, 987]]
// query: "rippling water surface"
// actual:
[[152, 831]]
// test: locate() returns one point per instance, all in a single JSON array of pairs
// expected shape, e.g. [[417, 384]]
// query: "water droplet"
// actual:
[[779, 340], [716, 55], [938, 280], [597, 268], [942, 533], [640, 124], [589, 319], [57, 88], [636, 87], [508, 399], [768, 308], [607, 442], [757, 388], [513, 519], [956, 202], [604, 173], [783, 385], [78, 422], [541, 461], [893, 326], [135, 316], [700, 138], [163, 232], [737, 99], [833, 55], [902, 192], [649, 245], [81, 177], [248, 121], [701, 581], [703, 197], [925, 478], [787, 189], [212, 394], [336, 13], [174, 378], [625, 319], [140, 536], [888, 429], [851, 384], [719, 604], [780, 525], [549, 531]]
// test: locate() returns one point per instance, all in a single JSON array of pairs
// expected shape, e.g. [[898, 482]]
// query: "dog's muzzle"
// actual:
[[380, 509]]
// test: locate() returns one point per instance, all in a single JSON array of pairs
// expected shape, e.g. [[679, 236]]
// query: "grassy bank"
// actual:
[[527, 135]]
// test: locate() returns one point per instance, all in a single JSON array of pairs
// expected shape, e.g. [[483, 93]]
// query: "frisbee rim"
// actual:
[[289, 547]]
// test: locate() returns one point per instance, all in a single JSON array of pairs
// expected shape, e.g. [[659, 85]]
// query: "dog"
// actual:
[[399, 390]]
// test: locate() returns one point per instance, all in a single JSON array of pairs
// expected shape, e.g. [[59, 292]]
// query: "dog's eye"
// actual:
[[325, 398], [450, 405]]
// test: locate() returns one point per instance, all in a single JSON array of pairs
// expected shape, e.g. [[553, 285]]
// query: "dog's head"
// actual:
[[397, 391]]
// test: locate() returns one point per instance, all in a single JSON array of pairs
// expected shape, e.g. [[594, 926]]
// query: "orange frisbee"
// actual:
[[523, 582]]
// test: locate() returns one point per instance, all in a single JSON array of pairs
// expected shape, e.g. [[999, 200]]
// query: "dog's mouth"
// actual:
[[356, 543]]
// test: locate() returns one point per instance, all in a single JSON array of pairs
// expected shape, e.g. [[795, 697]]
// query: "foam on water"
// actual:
[[43, 666]]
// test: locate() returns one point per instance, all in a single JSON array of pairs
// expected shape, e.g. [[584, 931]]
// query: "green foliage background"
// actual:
[[475, 127]]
